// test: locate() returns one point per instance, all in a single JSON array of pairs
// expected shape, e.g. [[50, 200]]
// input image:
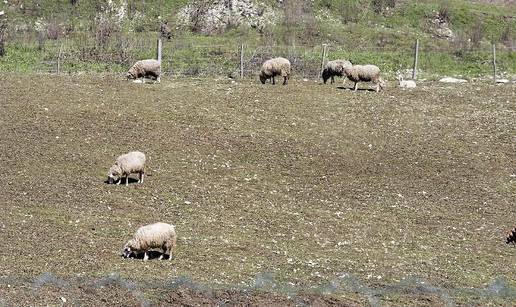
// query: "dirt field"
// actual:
[[304, 194]]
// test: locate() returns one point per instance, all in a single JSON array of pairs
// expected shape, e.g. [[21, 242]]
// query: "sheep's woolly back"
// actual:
[[336, 67], [363, 73], [145, 68], [153, 236], [132, 162], [274, 67]]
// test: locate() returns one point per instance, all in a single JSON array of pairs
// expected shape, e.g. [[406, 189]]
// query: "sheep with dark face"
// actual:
[[145, 69], [365, 73], [275, 67], [157, 235], [335, 68], [132, 162]]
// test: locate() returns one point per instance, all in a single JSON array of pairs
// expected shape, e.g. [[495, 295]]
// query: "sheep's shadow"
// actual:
[[152, 255], [358, 89], [131, 180]]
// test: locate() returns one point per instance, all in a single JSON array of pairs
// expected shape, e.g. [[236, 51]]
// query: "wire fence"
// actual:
[[343, 285], [187, 58]]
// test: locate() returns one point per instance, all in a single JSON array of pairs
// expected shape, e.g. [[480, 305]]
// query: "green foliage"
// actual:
[[352, 27]]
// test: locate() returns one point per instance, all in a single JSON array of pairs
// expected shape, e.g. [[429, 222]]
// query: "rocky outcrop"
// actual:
[[212, 16]]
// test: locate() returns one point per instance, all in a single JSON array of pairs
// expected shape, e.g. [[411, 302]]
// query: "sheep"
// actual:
[[406, 83], [334, 68], [275, 67], [157, 235], [126, 164], [364, 73], [145, 68]]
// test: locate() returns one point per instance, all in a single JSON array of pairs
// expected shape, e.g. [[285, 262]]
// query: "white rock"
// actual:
[[137, 81], [502, 80], [452, 80]]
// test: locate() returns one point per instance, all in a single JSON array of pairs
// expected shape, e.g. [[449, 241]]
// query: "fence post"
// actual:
[[59, 59], [416, 56], [242, 61], [494, 63], [323, 54], [158, 51]]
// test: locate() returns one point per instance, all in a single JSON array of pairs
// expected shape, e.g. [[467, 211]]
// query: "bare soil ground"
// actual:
[[308, 184]]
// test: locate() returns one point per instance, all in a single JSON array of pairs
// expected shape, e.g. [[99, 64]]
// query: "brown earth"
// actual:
[[305, 182]]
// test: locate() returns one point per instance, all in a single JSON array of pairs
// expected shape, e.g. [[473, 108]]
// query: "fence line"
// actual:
[[345, 283], [244, 60]]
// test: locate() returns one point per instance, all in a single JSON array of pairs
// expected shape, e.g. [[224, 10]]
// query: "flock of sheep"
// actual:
[[158, 235], [161, 235], [281, 67]]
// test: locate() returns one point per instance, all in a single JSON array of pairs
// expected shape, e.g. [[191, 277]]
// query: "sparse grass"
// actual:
[[306, 181]]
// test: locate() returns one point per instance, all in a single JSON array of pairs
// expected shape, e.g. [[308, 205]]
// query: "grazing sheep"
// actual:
[[406, 83], [275, 67], [145, 68], [157, 235], [133, 162], [365, 73], [335, 68]]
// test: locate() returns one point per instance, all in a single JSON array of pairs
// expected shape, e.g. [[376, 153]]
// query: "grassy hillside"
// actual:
[[363, 29]]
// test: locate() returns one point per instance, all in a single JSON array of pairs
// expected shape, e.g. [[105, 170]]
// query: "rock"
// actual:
[[219, 15], [452, 80], [502, 80]]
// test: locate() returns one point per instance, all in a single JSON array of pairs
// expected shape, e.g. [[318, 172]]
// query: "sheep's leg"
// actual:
[[377, 87], [273, 82], [332, 80], [356, 86], [145, 256], [141, 177], [119, 180], [127, 180]]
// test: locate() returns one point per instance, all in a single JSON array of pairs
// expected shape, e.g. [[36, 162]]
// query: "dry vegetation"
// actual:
[[305, 181]]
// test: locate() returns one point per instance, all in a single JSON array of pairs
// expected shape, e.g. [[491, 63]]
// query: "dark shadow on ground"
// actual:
[[358, 90], [152, 255], [131, 180]]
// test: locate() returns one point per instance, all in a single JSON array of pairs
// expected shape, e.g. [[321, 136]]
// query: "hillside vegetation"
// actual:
[[454, 27]]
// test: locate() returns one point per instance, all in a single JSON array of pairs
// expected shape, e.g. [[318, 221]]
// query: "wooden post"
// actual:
[[158, 57], [158, 51], [416, 55], [494, 63], [59, 59], [323, 54], [242, 61]]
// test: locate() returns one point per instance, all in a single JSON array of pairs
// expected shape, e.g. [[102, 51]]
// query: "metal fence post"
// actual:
[[416, 56]]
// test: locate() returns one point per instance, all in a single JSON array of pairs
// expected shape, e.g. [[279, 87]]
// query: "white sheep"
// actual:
[[275, 67], [157, 235], [406, 83], [126, 164], [145, 68], [334, 68], [364, 73]]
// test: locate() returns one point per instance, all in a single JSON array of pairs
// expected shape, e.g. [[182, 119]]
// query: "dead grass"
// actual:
[[305, 181]]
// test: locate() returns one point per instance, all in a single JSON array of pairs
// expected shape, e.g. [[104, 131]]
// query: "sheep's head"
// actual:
[[130, 75], [128, 249], [382, 83], [263, 78], [114, 174], [325, 75]]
